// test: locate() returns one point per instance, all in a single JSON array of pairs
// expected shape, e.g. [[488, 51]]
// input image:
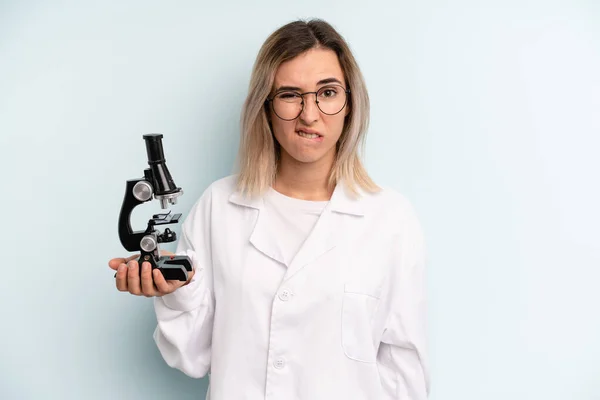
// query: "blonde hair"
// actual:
[[259, 151]]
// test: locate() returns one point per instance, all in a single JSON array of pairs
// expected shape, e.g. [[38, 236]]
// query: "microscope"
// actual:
[[157, 183]]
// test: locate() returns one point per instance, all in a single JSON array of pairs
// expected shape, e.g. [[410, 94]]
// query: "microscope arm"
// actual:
[[130, 239]]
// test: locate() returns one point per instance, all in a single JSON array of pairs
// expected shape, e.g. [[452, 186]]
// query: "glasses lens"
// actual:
[[331, 99], [287, 105]]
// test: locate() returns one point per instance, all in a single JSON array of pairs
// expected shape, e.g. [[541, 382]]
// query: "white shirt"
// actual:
[[295, 217], [344, 320]]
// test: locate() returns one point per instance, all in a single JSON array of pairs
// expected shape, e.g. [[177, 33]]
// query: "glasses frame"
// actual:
[[270, 101]]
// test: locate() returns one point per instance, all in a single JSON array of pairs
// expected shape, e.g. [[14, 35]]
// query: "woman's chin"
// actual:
[[308, 156]]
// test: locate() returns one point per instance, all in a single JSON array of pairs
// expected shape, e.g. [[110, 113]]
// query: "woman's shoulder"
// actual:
[[215, 192], [392, 208], [224, 186], [219, 187], [389, 200]]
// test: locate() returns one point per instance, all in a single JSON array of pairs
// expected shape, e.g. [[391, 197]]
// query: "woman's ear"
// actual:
[[267, 111], [348, 108]]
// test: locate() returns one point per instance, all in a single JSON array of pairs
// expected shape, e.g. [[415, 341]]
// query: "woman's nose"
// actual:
[[310, 112]]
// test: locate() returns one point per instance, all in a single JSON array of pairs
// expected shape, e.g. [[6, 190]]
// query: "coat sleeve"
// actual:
[[403, 352], [185, 317]]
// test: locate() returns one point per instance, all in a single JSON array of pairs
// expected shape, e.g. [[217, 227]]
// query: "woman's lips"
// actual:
[[309, 135]]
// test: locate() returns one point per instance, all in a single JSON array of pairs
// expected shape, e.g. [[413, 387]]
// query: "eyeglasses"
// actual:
[[288, 105]]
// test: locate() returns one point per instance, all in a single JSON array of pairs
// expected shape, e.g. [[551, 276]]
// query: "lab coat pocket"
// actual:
[[358, 310]]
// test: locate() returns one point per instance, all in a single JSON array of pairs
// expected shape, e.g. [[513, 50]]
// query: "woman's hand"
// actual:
[[149, 284]]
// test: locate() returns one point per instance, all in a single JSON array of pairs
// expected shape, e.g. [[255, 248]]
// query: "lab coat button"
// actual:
[[279, 363], [285, 295]]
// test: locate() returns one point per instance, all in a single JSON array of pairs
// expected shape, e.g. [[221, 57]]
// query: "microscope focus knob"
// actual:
[[142, 191], [148, 243]]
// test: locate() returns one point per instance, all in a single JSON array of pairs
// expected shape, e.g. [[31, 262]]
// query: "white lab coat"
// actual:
[[345, 320]]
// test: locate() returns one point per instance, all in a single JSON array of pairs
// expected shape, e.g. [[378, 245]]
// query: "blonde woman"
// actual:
[[308, 279]]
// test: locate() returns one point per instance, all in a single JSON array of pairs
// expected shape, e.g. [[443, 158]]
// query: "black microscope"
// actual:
[[157, 183]]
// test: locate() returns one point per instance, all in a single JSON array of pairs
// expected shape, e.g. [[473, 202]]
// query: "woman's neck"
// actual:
[[306, 181]]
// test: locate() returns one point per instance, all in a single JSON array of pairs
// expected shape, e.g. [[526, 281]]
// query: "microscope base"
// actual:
[[173, 268]]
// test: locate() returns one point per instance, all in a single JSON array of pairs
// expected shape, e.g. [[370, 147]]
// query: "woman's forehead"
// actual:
[[309, 68]]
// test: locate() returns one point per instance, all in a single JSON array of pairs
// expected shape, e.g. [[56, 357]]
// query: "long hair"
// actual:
[[259, 152]]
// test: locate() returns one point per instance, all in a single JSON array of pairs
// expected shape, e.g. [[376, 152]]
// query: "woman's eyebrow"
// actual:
[[321, 82], [328, 80]]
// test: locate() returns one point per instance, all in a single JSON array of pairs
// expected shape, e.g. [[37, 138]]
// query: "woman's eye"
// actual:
[[328, 93], [287, 95]]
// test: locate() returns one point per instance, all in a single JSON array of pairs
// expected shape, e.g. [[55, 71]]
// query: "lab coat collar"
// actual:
[[331, 228], [342, 201]]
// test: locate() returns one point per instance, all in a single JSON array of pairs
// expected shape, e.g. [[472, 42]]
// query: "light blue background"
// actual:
[[484, 113]]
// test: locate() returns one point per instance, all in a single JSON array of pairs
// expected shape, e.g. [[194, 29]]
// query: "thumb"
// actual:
[[115, 262], [190, 276]]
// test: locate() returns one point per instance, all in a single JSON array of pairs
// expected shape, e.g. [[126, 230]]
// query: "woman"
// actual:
[[308, 278]]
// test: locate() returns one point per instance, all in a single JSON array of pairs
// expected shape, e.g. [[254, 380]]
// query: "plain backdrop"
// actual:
[[485, 114]]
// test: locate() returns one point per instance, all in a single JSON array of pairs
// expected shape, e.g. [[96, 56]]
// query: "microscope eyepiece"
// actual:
[[164, 187], [154, 148]]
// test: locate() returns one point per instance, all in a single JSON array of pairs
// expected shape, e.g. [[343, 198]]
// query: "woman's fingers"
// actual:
[[161, 284], [121, 277], [133, 278], [148, 288]]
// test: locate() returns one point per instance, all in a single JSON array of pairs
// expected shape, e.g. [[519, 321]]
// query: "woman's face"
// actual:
[[312, 137]]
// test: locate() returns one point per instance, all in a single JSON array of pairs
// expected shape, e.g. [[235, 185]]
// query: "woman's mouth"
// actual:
[[310, 136]]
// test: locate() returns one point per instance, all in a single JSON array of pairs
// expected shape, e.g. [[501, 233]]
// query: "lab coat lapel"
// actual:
[[265, 240], [261, 237], [330, 229]]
